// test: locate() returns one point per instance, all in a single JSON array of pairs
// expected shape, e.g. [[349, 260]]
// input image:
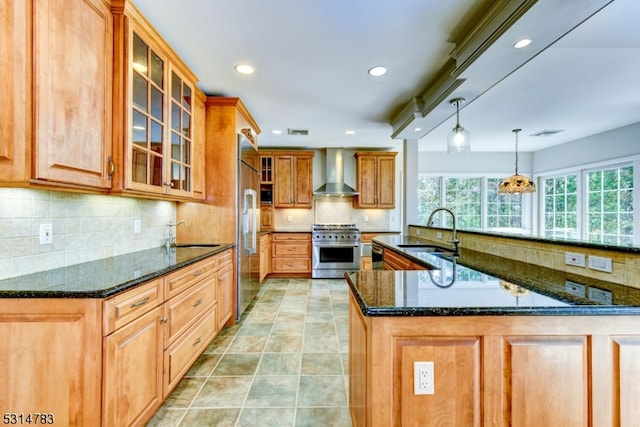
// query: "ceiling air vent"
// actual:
[[547, 132], [298, 131]]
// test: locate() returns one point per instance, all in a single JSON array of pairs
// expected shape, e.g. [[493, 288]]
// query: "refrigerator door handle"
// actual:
[[249, 215]]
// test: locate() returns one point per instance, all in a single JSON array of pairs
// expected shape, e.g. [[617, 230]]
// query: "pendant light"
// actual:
[[516, 184], [458, 140]]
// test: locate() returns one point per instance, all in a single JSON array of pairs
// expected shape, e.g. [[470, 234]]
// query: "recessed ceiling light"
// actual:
[[276, 131], [244, 69], [377, 71], [522, 43], [417, 129], [349, 132]]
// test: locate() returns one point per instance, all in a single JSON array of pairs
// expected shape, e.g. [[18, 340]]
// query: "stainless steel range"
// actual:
[[336, 249]]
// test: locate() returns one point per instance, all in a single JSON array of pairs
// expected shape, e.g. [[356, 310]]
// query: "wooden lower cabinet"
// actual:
[[226, 295], [133, 371], [495, 370], [52, 359], [291, 253], [265, 256], [112, 361]]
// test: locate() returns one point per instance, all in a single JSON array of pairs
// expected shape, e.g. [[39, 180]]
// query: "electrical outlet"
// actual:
[[423, 378], [418, 232], [439, 235], [574, 288], [46, 234], [600, 263], [572, 258], [600, 295], [137, 225]]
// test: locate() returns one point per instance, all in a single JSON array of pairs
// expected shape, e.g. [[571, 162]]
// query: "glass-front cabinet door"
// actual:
[[181, 134], [160, 136]]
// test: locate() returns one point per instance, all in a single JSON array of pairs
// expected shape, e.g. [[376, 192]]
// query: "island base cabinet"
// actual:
[[516, 371], [35, 341], [133, 371]]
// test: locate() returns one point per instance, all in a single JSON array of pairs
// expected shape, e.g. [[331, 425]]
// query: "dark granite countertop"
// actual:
[[105, 277], [474, 283]]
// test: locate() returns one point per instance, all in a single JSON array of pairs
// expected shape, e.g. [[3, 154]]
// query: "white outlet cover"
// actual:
[[46, 234], [423, 378]]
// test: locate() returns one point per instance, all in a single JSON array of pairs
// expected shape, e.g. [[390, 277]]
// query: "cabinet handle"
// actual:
[[139, 303], [196, 342], [112, 168], [197, 303], [197, 273], [168, 184]]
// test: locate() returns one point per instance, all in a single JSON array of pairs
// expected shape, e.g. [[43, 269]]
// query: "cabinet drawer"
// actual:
[[180, 355], [398, 262], [127, 306], [224, 258], [292, 249], [183, 310], [291, 265], [182, 279], [286, 237]]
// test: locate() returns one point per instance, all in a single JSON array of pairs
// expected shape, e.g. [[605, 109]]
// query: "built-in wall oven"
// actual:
[[336, 249]]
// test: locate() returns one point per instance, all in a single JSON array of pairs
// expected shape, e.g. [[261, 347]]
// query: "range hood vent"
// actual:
[[334, 175]]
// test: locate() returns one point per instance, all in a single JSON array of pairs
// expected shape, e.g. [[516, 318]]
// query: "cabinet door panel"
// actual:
[[367, 181], [133, 371], [386, 182], [548, 380], [283, 188], [304, 182], [15, 108], [72, 91]]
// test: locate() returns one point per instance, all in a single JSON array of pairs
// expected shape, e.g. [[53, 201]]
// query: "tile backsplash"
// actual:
[[85, 228]]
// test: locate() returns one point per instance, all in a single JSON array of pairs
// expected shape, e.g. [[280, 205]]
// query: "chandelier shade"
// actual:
[[516, 184], [458, 140]]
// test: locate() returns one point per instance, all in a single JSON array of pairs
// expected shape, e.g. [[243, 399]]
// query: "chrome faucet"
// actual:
[[454, 238], [171, 240]]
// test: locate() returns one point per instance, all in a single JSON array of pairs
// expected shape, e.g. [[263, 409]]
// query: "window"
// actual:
[[504, 211], [610, 206], [560, 200], [475, 201], [463, 196]]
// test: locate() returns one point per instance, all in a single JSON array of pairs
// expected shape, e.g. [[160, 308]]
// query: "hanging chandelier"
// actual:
[[458, 140], [516, 184]]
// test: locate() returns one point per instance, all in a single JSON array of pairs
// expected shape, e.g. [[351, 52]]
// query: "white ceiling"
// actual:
[[311, 60]]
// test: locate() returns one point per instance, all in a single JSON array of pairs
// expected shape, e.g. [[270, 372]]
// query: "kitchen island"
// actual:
[[512, 344], [105, 342]]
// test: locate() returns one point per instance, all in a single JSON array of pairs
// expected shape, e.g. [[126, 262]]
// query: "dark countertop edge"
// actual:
[[488, 311], [549, 240], [116, 289]]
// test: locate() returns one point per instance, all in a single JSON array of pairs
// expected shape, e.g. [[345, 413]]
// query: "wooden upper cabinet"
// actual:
[[57, 114], [376, 179], [154, 96], [293, 180], [15, 86]]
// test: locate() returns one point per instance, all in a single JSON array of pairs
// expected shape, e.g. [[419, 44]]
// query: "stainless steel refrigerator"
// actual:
[[248, 268]]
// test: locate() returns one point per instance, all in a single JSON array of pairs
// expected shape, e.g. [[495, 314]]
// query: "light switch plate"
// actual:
[[575, 259]]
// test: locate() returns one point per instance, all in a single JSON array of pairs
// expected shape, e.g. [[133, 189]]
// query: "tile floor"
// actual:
[[284, 364]]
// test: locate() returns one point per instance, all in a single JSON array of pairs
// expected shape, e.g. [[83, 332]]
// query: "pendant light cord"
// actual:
[[516, 132]]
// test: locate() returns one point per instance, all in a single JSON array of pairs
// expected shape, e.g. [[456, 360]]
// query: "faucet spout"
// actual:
[[171, 240], [454, 237]]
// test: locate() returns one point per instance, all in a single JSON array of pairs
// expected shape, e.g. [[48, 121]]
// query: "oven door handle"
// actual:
[[336, 245]]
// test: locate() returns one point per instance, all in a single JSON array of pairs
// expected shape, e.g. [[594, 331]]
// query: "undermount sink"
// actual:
[[197, 245], [422, 248]]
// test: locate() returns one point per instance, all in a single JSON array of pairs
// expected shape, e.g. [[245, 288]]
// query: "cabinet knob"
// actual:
[[165, 319]]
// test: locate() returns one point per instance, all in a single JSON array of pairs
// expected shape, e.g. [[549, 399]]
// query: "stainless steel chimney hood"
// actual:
[[334, 170]]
